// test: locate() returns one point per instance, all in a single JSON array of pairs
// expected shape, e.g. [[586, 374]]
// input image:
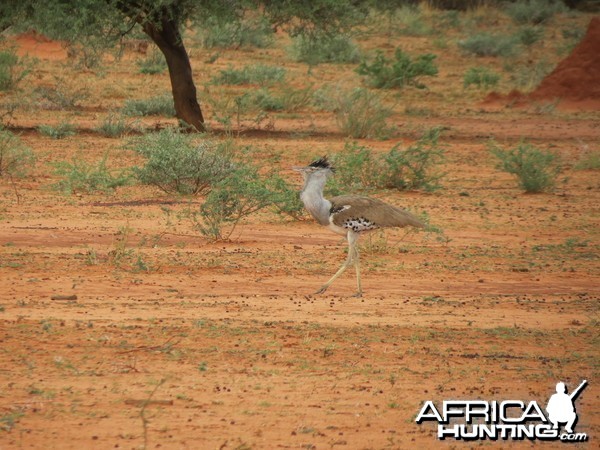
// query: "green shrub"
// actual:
[[255, 32], [360, 114], [357, 169], [65, 95], [177, 164], [534, 11], [383, 73], [253, 74], [408, 20], [153, 64], [528, 76], [529, 35], [487, 44], [481, 77], [535, 169], [232, 199], [155, 106], [60, 131], [113, 126], [589, 161], [415, 167], [16, 159], [12, 69], [80, 176], [324, 48]]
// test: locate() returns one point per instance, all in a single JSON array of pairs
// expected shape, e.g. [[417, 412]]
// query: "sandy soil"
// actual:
[[122, 327]]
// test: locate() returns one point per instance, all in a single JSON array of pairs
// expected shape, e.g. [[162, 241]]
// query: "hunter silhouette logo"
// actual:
[[508, 419], [560, 406]]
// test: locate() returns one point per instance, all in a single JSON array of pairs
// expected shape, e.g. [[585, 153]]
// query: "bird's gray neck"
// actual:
[[314, 202]]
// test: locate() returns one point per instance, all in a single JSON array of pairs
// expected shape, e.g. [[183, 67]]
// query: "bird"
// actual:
[[347, 215]]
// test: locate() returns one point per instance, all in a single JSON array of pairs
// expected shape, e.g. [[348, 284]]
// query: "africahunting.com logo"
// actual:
[[508, 419]]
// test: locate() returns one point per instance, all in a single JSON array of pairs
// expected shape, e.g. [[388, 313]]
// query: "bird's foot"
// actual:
[[322, 290], [358, 294]]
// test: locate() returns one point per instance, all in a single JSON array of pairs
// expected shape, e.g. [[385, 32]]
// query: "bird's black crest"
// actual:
[[322, 163]]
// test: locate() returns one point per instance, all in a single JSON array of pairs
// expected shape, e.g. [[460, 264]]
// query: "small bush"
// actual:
[[16, 159], [64, 95], [237, 196], [155, 106], [324, 48], [535, 169], [60, 131], [113, 126], [253, 74], [534, 11], [80, 176], [12, 69], [528, 76], [416, 166], [176, 164], [529, 35], [360, 114], [487, 44], [153, 64], [244, 33], [357, 169], [383, 73], [481, 77], [589, 161], [411, 22]]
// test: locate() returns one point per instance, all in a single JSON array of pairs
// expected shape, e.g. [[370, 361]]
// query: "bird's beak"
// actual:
[[298, 168]]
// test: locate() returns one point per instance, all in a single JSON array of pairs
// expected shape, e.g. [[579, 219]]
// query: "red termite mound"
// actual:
[[574, 83]]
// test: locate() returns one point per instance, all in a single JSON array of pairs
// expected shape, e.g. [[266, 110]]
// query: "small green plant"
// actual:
[[528, 76], [60, 131], [415, 167], [487, 44], [589, 161], [535, 169], [80, 176], [12, 69], [153, 64], [254, 74], [113, 125], [175, 163], [155, 106], [8, 421], [324, 48], [237, 196], [64, 95], [356, 169], [16, 159], [360, 114], [529, 35], [482, 77], [383, 73], [251, 32], [534, 11]]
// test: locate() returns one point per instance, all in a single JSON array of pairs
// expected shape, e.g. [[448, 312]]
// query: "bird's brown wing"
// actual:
[[351, 208]]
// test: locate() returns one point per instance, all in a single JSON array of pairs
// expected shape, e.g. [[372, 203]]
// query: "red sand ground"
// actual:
[[176, 342]]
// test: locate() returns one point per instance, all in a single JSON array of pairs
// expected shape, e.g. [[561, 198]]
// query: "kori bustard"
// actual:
[[347, 215]]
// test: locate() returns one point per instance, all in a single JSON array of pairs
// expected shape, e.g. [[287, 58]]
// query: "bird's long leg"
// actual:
[[352, 255], [356, 259]]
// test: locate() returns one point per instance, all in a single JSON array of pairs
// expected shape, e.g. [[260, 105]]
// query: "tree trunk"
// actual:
[[168, 39]]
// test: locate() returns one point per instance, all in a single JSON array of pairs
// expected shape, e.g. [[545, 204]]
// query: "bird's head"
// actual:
[[319, 167]]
